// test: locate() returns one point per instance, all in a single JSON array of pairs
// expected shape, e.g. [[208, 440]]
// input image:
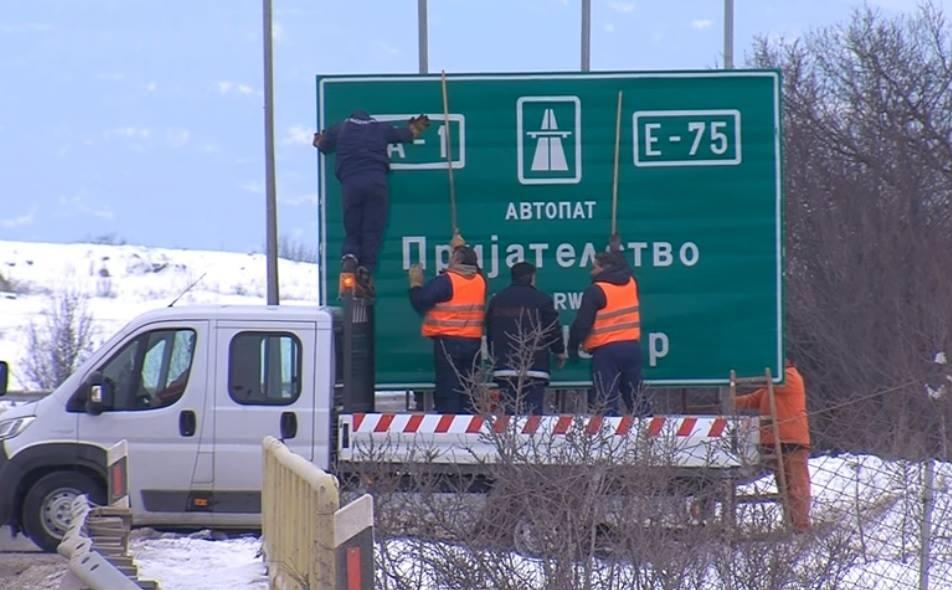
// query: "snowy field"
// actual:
[[185, 562], [876, 503], [867, 515], [123, 281], [120, 283]]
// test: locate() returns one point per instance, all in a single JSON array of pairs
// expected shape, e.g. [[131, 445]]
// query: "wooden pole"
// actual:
[[447, 137], [615, 171], [778, 451]]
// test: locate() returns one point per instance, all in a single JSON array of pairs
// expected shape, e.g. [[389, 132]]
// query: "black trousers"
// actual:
[[365, 218], [531, 398], [616, 377], [454, 360]]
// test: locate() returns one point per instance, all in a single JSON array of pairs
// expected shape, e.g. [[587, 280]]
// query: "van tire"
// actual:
[[46, 508]]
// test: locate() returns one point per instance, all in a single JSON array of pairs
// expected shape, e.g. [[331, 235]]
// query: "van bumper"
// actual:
[[10, 475]]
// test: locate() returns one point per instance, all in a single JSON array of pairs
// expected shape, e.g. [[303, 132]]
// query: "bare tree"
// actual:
[[581, 508], [291, 249], [6, 284], [868, 183], [59, 341]]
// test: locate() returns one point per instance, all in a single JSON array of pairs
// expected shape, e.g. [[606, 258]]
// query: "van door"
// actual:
[[265, 386], [158, 378]]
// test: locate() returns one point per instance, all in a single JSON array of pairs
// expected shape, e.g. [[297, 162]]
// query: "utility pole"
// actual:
[[586, 35], [271, 231], [728, 34], [422, 32]]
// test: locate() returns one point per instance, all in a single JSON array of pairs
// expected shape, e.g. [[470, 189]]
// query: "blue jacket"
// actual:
[[593, 299], [436, 290], [360, 142], [517, 315]]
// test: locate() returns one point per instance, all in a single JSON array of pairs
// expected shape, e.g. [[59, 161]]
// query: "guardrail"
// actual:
[[309, 542], [97, 542]]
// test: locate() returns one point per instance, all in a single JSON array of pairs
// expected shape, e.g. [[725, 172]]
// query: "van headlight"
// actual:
[[13, 427]]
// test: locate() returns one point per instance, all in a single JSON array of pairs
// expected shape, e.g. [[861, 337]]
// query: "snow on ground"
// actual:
[[124, 281], [177, 561], [9, 542], [185, 562], [867, 513], [878, 504], [879, 499]]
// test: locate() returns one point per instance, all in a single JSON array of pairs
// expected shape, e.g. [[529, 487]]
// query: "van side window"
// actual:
[[264, 368], [151, 371]]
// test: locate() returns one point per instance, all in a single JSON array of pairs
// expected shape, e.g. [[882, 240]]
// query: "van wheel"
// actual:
[[47, 508]]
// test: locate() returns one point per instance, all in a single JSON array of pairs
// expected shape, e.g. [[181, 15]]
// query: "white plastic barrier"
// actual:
[[97, 541], [87, 568]]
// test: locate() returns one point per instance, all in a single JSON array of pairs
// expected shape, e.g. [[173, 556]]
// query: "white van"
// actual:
[[193, 390]]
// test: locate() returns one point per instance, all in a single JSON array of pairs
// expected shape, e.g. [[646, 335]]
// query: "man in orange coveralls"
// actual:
[[791, 402]]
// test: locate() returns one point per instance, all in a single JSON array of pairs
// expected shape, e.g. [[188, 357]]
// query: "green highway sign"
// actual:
[[699, 209]]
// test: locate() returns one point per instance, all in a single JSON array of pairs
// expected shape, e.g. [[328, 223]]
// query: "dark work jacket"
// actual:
[[519, 316], [360, 142], [593, 299]]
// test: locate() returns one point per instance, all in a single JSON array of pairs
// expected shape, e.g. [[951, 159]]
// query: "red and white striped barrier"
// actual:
[[686, 441], [679, 426]]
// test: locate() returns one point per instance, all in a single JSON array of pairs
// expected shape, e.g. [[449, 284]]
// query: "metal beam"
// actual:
[[728, 34], [586, 35], [271, 222], [422, 31]]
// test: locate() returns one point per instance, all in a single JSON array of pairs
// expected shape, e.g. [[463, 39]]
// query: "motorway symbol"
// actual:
[[550, 128]]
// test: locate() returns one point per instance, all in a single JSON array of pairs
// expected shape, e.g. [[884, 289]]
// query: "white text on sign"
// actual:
[[431, 150], [654, 254], [687, 138]]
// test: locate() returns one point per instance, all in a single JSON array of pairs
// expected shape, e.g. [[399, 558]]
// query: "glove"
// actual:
[[457, 241], [419, 124], [317, 139], [560, 360], [416, 276]]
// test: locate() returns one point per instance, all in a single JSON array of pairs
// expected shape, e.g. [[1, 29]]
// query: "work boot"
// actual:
[[365, 283], [348, 263]]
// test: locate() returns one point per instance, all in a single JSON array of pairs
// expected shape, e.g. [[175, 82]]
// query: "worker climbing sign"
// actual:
[[533, 162]]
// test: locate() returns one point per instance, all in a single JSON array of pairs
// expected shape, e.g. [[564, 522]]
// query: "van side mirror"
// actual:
[[99, 394], [4, 377]]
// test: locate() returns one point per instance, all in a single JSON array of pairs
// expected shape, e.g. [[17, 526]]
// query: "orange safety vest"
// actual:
[[619, 320], [461, 316]]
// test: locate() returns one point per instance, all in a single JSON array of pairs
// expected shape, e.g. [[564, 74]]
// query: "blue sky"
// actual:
[[143, 119]]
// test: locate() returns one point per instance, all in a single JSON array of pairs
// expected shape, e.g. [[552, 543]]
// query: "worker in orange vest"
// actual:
[[453, 307], [608, 326], [791, 402]]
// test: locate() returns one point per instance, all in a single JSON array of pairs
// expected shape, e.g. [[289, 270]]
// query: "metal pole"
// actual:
[[925, 545], [728, 34], [422, 32], [586, 35], [271, 231]]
